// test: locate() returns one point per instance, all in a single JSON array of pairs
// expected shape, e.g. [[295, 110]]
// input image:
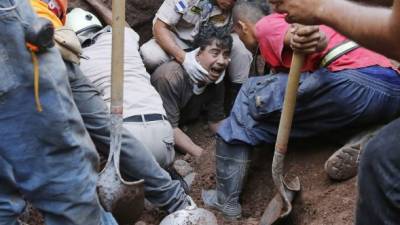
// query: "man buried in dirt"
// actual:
[[348, 90], [184, 98]]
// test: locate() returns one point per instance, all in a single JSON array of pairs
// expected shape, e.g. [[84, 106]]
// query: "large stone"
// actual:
[[182, 167]]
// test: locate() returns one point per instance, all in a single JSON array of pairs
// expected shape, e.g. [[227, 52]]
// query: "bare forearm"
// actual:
[[185, 144], [373, 27], [165, 39]]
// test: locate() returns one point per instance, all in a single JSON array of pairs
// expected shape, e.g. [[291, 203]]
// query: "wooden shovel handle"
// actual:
[[289, 103], [117, 67]]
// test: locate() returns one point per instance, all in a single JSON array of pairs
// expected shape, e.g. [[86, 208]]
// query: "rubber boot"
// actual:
[[232, 161], [343, 164]]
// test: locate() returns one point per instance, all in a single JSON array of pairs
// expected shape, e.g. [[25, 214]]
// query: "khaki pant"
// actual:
[[153, 56], [157, 138]]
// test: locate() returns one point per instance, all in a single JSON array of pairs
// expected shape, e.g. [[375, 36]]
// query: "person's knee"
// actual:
[[152, 55]]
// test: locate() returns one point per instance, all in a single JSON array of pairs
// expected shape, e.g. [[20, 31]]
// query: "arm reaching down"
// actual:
[[185, 144]]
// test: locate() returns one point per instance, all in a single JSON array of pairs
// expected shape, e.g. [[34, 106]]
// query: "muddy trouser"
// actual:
[[156, 136], [136, 162], [327, 101], [153, 56], [379, 179], [46, 157]]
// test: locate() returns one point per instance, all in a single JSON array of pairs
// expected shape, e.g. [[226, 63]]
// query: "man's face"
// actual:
[[214, 59], [246, 34], [225, 4]]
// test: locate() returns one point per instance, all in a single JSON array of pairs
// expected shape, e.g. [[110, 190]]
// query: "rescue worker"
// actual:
[[376, 28], [136, 162], [176, 25], [350, 89], [183, 99], [47, 156], [365, 24], [144, 115]]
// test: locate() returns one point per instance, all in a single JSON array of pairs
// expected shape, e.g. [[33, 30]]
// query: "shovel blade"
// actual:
[[275, 208], [125, 200]]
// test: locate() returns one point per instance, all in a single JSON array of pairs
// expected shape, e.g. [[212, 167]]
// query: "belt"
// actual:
[[145, 118]]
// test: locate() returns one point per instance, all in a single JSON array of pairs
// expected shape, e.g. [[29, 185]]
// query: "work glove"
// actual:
[[195, 71], [68, 44]]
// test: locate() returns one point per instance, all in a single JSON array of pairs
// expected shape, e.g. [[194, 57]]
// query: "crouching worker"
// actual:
[[184, 99], [144, 115], [135, 162], [46, 154], [349, 90]]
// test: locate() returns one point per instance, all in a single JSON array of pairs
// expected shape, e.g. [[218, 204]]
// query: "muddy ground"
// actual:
[[321, 202]]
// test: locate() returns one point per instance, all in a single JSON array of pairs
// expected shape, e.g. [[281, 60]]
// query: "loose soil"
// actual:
[[321, 201]]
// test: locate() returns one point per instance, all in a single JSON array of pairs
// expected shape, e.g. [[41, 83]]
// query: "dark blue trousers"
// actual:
[[379, 179], [327, 101]]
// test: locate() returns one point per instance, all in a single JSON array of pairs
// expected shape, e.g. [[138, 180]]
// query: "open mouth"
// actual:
[[217, 71]]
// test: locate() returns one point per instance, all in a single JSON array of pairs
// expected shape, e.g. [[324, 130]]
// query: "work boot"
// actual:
[[232, 161], [343, 164]]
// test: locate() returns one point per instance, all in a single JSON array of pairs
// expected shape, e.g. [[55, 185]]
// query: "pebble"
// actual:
[[182, 167]]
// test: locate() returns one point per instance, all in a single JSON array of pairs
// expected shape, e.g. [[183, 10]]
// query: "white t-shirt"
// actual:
[[140, 97]]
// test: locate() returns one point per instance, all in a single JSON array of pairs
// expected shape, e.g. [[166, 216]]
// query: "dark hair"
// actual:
[[251, 10], [210, 33]]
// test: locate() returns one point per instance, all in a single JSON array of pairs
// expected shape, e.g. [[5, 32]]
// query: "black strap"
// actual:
[[146, 117]]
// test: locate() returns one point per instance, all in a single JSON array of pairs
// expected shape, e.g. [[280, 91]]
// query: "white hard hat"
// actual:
[[81, 20], [190, 215]]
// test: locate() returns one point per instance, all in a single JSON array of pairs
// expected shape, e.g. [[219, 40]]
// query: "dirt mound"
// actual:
[[321, 202]]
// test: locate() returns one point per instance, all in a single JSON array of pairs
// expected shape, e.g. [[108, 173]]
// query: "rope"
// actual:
[[36, 80]]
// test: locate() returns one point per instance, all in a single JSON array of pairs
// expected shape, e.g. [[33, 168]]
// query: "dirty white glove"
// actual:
[[196, 72], [68, 44]]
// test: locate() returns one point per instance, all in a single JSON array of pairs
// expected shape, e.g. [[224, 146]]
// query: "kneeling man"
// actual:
[[185, 98]]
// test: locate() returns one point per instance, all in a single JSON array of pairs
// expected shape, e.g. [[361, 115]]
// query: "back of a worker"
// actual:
[[144, 115], [50, 159]]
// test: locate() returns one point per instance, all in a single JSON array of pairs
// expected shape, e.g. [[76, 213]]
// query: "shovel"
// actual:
[[125, 200], [281, 206]]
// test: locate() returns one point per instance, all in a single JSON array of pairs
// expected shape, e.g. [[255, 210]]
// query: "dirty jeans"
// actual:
[[379, 179], [326, 101], [136, 162], [46, 157]]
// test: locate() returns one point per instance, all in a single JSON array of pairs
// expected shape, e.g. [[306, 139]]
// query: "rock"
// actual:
[[182, 167], [140, 223], [149, 206], [189, 179]]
